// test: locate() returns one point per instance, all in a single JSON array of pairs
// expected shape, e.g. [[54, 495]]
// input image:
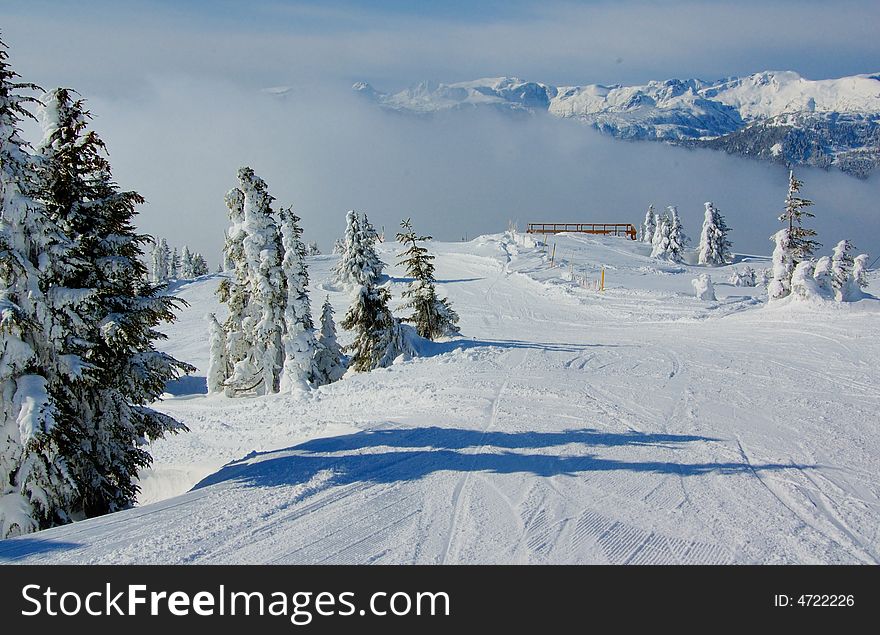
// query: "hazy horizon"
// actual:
[[177, 92]]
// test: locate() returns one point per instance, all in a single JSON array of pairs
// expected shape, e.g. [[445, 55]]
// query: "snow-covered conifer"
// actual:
[[432, 316], [338, 246], [358, 264], [199, 265], [235, 292], [109, 317], [217, 364], [842, 281], [802, 245], [329, 359], [677, 238], [379, 337], [264, 325], [649, 226], [312, 248], [186, 264], [300, 346], [174, 265], [783, 266], [35, 488], [703, 287], [822, 275], [803, 282], [714, 247], [660, 244], [860, 273]]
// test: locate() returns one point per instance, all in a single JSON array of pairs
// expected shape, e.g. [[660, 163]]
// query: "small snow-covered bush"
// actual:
[[744, 278], [803, 282], [703, 287]]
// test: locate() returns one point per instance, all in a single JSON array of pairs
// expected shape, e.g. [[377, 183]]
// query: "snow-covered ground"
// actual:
[[635, 425]]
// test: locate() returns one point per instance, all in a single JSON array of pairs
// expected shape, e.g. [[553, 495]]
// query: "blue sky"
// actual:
[[109, 45]]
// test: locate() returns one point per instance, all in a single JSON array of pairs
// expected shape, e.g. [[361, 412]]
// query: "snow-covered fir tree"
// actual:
[[860, 274], [379, 336], [329, 359], [783, 266], [186, 264], [649, 226], [803, 282], [218, 369], [358, 264], [160, 262], [842, 281], [263, 325], [234, 291], [822, 276], [660, 244], [338, 246], [312, 248], [199, 265], [300, 346], [371, 238], [36, 490], [744, 278], [714, 247], [677, 238], [432, 316], [802, 245], [174, 265], [102, 410]]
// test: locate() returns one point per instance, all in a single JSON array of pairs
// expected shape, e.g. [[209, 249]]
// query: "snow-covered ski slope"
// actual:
[[638, 425]]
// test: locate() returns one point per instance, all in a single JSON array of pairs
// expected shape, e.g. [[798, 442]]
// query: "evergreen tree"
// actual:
[[650, 225], [803, 282], [110, 318], [186, 264], [783, 266], [235, 293], [842, 280], [860, 273], [329, 359], [661, 241], [264, 324], [156, 264], [714, 247], [174, 265], [165, 257], [35, 488], [358, 264], [218, 370], [338, 246], [796, 209], [379, 338], [432, 317], [199, 265], [300, 346], [371, 239], [822, 275], [677, 238], [312, 249]]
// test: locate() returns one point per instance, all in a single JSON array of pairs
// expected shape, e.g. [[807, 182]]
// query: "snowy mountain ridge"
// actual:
[[819, 122]]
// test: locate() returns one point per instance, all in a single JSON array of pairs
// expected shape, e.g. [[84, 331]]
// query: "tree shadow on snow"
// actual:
[[405, 280], [17, 548], [427, 348], [356, 458]]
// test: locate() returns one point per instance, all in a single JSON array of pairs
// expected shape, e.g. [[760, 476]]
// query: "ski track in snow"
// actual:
[[635, 426]]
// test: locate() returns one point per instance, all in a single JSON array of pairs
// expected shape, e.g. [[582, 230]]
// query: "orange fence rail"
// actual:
[[605, 229]]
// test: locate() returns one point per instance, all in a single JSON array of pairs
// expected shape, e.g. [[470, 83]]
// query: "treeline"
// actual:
[[269, 342]]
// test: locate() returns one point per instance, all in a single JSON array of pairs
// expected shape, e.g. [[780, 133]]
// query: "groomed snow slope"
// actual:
[[638, 425]]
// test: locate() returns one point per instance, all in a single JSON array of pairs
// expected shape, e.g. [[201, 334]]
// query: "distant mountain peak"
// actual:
[[807, 113]]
